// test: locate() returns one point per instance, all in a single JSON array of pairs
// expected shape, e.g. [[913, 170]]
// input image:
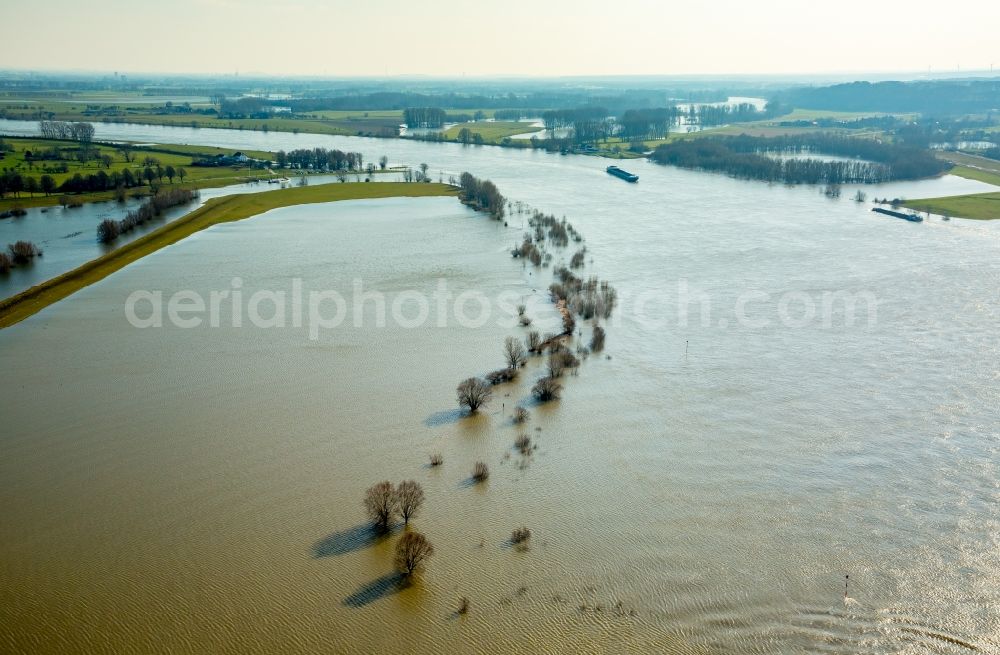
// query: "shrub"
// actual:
[[480, 472], [381, 504], [534, 341], [108, 230], [597, 339], [463, 605], [502, 375], [5, 262], [21, 252], [560, 360], [437, 459], [473, 393], [521, 415], [412, 552], [546, 389], [523, 444], [18, 210], [520, 535]]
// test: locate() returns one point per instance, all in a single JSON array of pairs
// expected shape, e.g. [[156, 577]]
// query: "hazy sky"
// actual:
[[518, 37]]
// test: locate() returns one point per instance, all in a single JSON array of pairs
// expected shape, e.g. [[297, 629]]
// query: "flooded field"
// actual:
[[704, 486]]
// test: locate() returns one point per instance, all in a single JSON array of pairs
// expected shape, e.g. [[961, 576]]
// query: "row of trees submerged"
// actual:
[[109, 229], [759, 158], [566, 350]]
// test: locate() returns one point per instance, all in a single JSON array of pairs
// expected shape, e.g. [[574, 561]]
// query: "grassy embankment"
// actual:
[[178, 156], [979, 206], [215, 211]]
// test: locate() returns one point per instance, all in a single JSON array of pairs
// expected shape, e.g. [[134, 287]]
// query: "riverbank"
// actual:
[[220, 210]]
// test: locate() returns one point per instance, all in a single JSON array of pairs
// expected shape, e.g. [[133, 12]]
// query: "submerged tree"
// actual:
[[473, 393], [409, 498], [412, 552], [513, 351], [547, 388], [381, 504]]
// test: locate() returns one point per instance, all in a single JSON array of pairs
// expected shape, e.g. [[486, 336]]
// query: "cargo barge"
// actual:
[[913, 218], [625, 175]]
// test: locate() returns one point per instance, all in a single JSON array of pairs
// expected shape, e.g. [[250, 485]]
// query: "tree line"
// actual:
[[109, 229], [424, 116], [713, 115], [752, 158], [82, 132], [320, 159], [12, 182], [481, 195]]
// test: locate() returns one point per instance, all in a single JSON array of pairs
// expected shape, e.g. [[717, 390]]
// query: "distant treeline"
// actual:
[[246, 107], [617, 101], [747, 157], [946, 97], [320, 159], [424, 116], [869, 122], [593, 123], [713, 115]]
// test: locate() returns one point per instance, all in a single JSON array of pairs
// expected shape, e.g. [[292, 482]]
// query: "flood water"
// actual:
[[68, 237], [718, 475]]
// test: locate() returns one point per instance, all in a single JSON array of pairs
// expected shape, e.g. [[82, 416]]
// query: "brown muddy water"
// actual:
[[704, 488]]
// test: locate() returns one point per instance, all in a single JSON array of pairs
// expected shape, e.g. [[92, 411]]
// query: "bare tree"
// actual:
[[474, 393], [381, 504], [409, 498], [383, 162], [534, 341], [514, 353], [412, 551], [560, 360]]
